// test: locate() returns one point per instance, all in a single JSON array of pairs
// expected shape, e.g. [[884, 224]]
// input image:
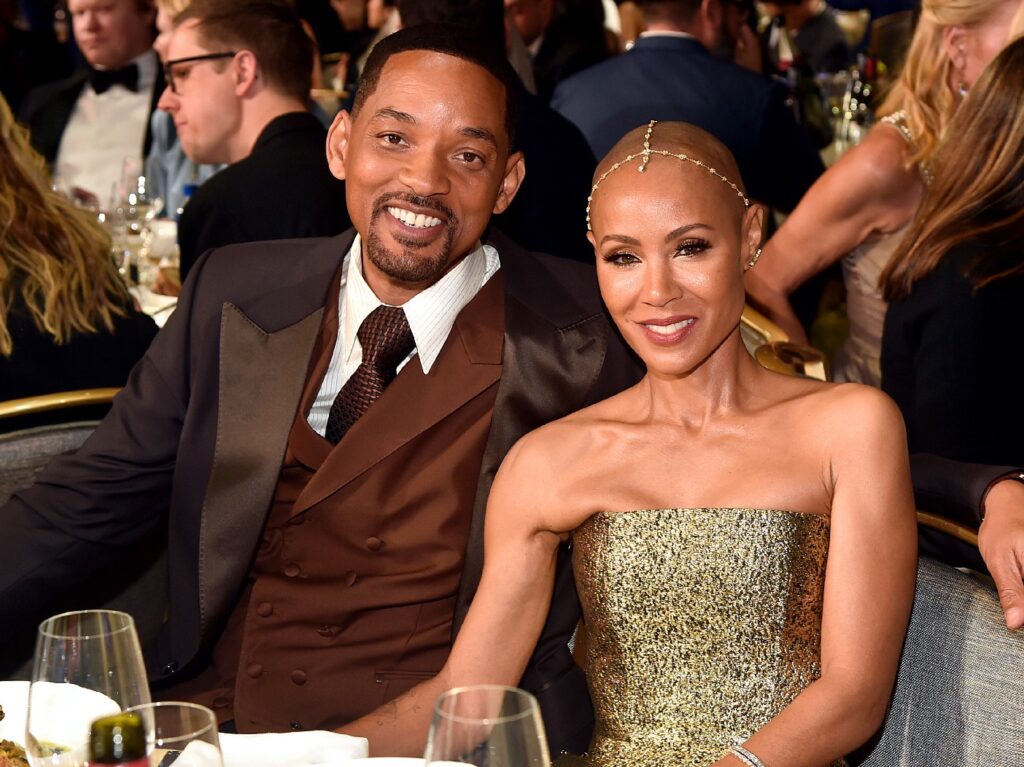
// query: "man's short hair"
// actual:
[[670, 11], [450, 40], [268, 28]]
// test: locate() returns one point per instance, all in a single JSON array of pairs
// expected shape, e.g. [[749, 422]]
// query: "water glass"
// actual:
[[487, 726], [87, 664], [184, 734]]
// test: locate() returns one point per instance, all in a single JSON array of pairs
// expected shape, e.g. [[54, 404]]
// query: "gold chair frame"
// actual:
[[57, 401], [776, 352]]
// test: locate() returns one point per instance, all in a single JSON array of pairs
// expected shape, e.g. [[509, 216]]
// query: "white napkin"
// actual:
[[296, 749]]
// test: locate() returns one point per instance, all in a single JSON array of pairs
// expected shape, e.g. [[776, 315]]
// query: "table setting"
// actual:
[[88, 699]]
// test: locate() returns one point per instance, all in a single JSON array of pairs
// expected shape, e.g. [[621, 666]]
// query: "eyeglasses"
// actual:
[[170, 65]]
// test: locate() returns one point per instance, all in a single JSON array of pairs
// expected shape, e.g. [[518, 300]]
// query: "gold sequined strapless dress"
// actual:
[[701, 625]]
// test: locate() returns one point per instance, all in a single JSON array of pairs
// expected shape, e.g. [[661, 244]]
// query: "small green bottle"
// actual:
[[119, 739]]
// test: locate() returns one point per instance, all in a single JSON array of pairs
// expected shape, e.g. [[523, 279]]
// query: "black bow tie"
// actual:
[[103, 79]]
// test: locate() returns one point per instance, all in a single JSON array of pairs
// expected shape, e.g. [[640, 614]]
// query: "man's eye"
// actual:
[[392, 138], [470, 157]]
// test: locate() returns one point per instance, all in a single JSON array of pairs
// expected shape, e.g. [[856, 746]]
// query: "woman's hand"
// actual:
[[1001, 542]]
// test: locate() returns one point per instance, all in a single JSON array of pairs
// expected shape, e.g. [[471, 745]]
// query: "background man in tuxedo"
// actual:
[[238, 76], [88, 124], [325, 521], [671, 74]]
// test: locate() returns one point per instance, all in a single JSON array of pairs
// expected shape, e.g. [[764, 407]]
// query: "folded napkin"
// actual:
[[296, 749]]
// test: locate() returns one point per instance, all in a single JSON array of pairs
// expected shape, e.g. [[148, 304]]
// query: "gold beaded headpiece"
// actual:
[[645, 156]]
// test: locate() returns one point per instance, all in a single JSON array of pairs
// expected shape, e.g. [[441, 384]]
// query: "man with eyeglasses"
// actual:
[[89, 124], [238, 80]]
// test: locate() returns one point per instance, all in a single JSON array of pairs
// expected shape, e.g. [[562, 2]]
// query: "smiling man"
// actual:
[[320, 422], [238, 80]]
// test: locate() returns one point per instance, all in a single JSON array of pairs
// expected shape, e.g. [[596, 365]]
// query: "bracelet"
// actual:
[[745, 756]]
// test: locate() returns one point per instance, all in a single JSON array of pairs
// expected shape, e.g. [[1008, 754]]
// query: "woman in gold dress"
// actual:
[[744, 541]]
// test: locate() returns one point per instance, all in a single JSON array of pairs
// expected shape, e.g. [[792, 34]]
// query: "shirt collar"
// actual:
[[431, 313], [667, 33]]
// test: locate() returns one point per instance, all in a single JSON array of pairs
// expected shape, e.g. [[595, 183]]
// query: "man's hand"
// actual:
[[1001, 541]]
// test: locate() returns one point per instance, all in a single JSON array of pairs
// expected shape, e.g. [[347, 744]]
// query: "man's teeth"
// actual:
[[667, 330], [416, 220]]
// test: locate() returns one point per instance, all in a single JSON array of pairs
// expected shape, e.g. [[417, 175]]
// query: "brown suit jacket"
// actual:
[[196, 439]]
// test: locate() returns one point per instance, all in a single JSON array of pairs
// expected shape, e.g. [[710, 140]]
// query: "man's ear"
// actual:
[[710, 14], [515, 172], [246, 70], [337, 144]]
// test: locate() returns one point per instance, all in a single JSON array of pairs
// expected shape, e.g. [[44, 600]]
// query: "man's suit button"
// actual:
[[299, 677], [264, 609], [292, 570], [221, 702], [295, 725], [373, 543], [254, 670], [170, 668]]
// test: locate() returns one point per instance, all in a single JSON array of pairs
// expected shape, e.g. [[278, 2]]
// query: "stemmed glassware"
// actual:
[[182, 733], [87, 664], [487, 726]]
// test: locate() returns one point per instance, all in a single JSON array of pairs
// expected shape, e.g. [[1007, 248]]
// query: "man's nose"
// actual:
[[425, 173], [168, 100]]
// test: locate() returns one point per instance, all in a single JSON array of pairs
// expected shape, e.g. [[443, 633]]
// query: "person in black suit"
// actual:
[[562, 37], [87, 125], [244, 102], [671, 74]]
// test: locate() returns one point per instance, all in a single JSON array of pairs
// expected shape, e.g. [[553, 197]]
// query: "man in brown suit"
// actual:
[[324, 537]]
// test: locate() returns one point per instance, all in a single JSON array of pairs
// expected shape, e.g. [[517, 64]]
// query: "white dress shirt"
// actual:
[[105, 130], [430, 313]]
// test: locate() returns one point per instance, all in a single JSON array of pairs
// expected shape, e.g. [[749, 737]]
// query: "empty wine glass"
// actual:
[[184, 734], [487, 726], [87, 664]]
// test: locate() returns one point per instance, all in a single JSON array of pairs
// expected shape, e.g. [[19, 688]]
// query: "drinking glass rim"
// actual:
[[169, 704], [529, 710], [50, 633]]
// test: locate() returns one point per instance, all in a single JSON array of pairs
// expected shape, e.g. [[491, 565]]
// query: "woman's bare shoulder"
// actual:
[[849, 413]]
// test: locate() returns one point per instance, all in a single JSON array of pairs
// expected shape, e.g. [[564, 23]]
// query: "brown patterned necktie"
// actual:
[[386, 340]]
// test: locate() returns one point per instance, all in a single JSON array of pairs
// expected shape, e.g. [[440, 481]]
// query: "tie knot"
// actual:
[[103, 79], [386, 337]]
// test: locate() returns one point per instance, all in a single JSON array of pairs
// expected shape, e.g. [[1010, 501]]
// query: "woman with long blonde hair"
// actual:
[[950, 354], [859, 209], [66, 319]]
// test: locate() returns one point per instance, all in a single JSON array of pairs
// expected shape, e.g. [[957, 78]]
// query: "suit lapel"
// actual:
[[548, 373], [260, 382], [469, 363]]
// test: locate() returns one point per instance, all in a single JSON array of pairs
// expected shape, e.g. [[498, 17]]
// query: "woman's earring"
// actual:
[[753, 259], [961, 89]]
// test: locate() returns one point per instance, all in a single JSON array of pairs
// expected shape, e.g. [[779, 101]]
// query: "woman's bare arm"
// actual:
[[508, 610], [867, 191], [869, 589]]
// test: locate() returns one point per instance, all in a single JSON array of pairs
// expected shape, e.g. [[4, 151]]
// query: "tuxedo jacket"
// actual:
[[673, 78], [47, 109], [196, 440]]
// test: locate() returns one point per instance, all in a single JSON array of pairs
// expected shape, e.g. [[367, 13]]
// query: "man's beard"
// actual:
[[408, 265]]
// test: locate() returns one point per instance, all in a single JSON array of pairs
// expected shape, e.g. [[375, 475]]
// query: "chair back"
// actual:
[[136, 583], [959, 698]]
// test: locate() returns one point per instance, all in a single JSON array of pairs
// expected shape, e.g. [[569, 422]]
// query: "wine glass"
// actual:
[[87, 664], [488, 726], [182, 733]]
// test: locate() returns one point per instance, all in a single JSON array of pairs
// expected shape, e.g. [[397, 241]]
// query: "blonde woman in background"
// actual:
[[66, 319], [859, 209]]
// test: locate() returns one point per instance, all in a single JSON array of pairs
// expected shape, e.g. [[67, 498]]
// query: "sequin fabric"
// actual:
[[702, 624]]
